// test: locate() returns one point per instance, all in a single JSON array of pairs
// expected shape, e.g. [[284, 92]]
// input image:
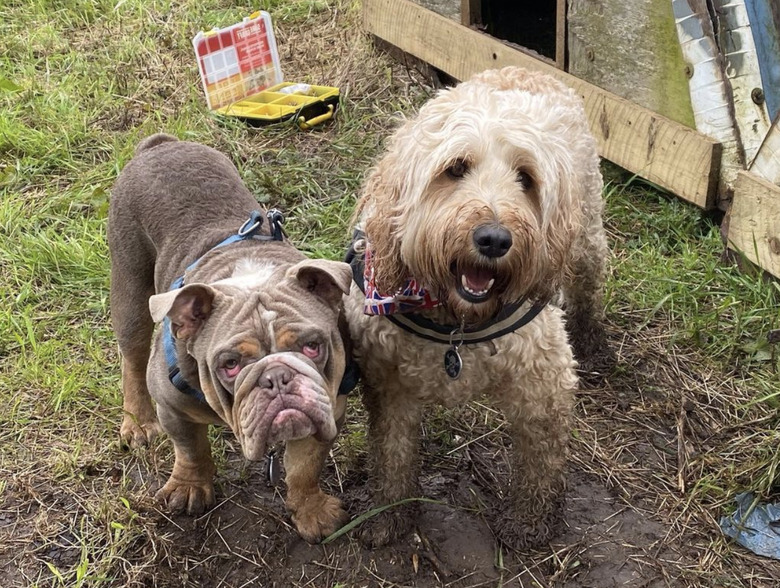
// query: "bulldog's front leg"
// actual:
[[315, 514], [190, 488]]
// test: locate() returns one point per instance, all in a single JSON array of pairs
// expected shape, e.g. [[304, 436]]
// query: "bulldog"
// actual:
[[251, 333]]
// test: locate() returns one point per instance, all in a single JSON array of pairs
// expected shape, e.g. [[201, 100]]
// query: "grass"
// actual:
[[81, 82]]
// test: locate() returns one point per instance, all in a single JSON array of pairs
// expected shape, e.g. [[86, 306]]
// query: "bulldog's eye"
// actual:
[[231, 367], [458, 169], [524, 179], [311, 349]]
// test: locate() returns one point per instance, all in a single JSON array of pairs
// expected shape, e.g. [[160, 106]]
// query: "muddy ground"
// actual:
[[626, 521]]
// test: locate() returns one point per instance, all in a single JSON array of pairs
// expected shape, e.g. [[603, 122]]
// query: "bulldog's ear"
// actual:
[[327, 279], [188, 308]]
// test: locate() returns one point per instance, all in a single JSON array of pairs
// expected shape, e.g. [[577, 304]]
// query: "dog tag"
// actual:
[[273, 470], [453, 363]]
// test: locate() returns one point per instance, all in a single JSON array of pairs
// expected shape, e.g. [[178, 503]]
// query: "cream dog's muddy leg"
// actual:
[[394, 435]]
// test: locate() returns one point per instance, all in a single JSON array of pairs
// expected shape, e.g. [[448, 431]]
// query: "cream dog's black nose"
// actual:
[[492, 240]]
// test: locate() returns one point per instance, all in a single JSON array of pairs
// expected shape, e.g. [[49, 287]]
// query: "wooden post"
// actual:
[[754, 226], [470, 12], [560, 35]]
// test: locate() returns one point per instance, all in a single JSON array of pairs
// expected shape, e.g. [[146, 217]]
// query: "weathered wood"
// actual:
[[735, 42], [710, 92], [765, 24], [754, 227], [560, 34], [663, 151], [470, 12], [767, 161], [630, 48]]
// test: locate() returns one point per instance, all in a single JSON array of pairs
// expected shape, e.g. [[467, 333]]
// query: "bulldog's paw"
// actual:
[[194, 498], [387, 527], [317, 516], [134, 434]]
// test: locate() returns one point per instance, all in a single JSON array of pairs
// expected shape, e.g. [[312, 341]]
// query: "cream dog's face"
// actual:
[[477, 198]]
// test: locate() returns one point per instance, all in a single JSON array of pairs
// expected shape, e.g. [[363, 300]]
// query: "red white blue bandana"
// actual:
[[412, 297]]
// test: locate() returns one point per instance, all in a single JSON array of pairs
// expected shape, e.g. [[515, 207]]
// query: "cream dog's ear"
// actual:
[[380, 208], [187, 308]]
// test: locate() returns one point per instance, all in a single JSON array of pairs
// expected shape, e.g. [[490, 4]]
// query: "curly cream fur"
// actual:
[[419, 220]]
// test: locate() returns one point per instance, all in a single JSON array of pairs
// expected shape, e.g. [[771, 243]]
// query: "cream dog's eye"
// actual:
[[524, 180], [457, 169]]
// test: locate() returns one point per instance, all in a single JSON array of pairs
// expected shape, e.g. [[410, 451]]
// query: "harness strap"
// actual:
[[510, 318], [174, 373], [249, 230]]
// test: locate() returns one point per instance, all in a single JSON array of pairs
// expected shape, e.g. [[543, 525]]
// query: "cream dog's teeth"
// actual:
[[474, 292]]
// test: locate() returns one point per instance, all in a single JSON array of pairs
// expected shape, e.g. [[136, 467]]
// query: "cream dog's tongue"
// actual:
[[477, 280]]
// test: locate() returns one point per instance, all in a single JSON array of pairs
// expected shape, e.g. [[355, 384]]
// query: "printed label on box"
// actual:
[[238, 61]]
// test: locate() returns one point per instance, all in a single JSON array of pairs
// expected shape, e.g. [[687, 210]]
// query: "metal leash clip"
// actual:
[[252, 224], [273, 469], [275, 222]]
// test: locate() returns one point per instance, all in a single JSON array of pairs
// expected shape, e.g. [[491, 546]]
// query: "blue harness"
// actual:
[[249, 230]]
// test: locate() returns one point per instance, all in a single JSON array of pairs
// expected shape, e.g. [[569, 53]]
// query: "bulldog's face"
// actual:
[[267, 345]]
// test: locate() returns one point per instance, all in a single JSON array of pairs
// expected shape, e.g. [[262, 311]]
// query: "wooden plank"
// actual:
[[711, 95], [665, 152], [741, 67], [765, 24], [767, 161], [754, 226]]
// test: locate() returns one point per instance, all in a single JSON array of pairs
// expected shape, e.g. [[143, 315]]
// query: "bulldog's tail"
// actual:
[[153, 141]]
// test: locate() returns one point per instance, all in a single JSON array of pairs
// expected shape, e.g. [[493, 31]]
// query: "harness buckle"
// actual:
[[251, 225]]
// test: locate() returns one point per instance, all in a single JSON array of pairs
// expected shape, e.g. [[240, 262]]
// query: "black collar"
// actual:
[[510, 318]]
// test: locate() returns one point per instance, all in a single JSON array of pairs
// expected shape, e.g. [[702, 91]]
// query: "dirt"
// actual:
[[248, 539], [625, 521]]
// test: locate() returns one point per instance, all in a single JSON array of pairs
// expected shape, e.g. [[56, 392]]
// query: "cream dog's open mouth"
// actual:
[[474, 283]]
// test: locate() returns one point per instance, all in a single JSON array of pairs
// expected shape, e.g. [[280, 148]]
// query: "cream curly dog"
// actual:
[[483, 208]]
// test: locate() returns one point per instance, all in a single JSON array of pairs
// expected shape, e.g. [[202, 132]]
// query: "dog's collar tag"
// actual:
[[273, 470], [453, 364]]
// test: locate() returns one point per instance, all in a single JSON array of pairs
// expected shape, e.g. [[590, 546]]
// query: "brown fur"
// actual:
[[171, 204]]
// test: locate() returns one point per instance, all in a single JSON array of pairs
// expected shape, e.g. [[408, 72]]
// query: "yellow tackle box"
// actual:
[[242, 77]]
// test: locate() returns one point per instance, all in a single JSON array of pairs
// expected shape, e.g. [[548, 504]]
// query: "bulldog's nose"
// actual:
[[492, 240], [276, 378]]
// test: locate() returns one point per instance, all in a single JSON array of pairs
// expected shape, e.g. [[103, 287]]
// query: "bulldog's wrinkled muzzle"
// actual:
[[280, 398]]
